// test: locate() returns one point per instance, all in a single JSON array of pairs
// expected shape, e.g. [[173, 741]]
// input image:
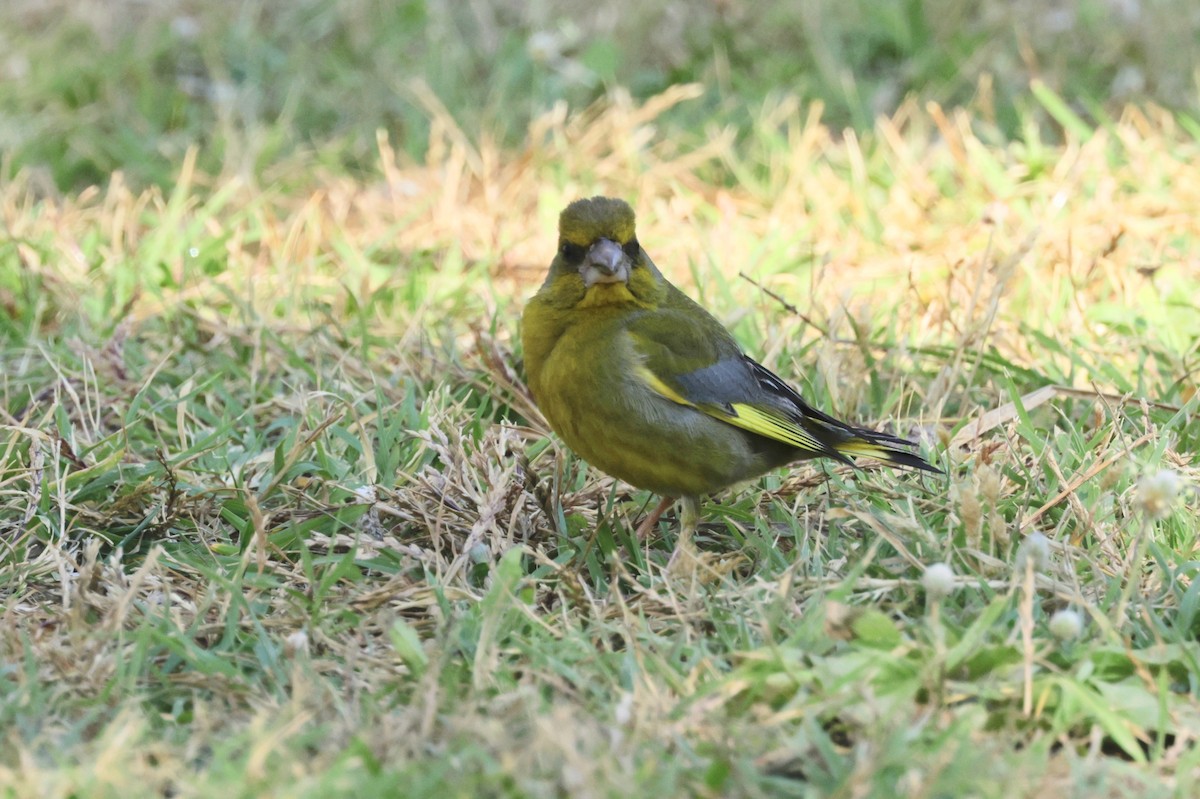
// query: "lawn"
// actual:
[[278, 516]]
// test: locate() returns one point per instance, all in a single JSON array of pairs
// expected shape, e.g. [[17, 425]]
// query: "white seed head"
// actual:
[[1034, 549], [938, 580], [1066, 624], [1156, 493], [623, 713], [296, 644], [544, 47], [186, 27]]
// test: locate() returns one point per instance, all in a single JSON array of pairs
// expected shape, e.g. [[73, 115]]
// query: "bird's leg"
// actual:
[[643, 529], [689, 520]]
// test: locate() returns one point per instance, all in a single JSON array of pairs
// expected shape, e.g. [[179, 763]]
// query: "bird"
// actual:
[[647, 386]]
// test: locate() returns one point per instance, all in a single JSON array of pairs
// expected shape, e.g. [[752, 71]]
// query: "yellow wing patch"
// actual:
[[656, 383], [748, 417], [771, 425]]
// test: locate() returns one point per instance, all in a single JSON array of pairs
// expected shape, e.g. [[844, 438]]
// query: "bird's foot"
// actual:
[[685, 560], [647, 526]]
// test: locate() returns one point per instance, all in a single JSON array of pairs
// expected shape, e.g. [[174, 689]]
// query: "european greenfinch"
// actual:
[[647, 386]]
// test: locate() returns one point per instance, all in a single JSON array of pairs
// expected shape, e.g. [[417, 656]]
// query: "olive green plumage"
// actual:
[[647, 386]]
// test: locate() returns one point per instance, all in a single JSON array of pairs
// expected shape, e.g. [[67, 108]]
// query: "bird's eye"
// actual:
[[631, 248], [572, 253]]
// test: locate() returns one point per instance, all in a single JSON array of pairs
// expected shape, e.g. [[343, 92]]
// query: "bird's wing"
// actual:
[[692, 360]]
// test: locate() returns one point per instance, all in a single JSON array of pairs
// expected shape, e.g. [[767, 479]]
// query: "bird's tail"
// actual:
[[884, 447]]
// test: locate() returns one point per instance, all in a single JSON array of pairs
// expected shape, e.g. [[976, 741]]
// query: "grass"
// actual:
[[278, 517], [95, 86]]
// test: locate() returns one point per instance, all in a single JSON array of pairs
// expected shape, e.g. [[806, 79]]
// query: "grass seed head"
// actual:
[[989, 483], [970, 510]]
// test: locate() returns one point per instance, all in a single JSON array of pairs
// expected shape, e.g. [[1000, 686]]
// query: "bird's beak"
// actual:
[[605, 262]]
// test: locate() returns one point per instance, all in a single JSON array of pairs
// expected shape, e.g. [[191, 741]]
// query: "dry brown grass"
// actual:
[[926, 209]]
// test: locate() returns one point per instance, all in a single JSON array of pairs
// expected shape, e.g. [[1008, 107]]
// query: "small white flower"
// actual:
[[296, 644], [1128, 80], [1034, 549], [1156, 493], [938, 580], [1066, 624], [222, 93], [185, 27], [623, 713], [544, 47]]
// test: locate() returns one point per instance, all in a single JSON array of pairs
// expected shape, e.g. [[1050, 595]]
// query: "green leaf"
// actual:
[[1062, 113], [985, 625], [876, 629], [602, 57], [1123, 731], [407, 643]]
